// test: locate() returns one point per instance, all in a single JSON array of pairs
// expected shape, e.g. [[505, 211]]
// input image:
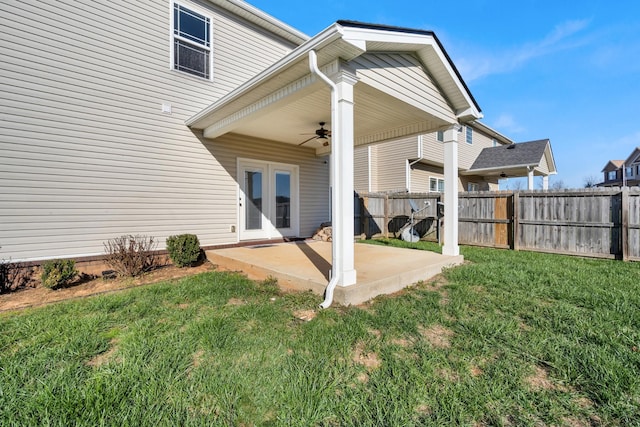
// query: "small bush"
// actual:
[[184, 249], [58, 272], [130, 255], [14, 275]]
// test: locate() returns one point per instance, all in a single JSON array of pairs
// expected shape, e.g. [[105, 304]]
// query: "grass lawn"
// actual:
[[511, 338]]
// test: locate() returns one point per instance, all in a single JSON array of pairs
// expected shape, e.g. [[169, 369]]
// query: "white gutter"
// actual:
[[313, 66], [327, 36]]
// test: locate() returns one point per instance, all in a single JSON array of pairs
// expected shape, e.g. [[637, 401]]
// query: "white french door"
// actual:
[[268, 202]]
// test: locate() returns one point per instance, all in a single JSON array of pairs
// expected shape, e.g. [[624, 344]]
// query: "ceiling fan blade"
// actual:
[[307, 140]]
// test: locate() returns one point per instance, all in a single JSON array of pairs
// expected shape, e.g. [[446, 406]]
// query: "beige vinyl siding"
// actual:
[[361, 169], [313, 175], [432, 149], [468, 153], [402, 75], [544, 165], [391, 162], [421, 174], [86, 152]]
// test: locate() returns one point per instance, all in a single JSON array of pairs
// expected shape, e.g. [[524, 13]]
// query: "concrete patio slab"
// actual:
[[305, 265]]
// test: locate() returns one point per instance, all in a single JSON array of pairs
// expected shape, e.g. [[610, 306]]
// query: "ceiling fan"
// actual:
[[320, 134]]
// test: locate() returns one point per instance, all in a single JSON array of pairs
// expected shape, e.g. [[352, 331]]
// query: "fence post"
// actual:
[[624, 226], [365, 218], [386, 216], [515, 223]]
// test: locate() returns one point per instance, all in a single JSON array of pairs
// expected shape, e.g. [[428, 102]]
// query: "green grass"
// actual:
[[218, 349]]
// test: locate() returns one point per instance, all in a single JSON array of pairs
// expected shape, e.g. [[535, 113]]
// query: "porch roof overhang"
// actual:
[[407, 84]]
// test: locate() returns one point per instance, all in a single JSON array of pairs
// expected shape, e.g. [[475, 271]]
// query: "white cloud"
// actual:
[[482, 64]]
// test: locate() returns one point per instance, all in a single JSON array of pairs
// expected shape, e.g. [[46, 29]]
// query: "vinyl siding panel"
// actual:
[[86, 152], [361, 168], [391, 160], [467, 153], [404, 77]]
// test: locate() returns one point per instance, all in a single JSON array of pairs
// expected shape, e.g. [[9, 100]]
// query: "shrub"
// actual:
[[58, 272], [130, 255], [14, 275], [184, 249]]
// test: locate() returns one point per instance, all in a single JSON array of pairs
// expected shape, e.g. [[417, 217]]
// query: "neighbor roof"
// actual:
[[613, 165], [508, 156]]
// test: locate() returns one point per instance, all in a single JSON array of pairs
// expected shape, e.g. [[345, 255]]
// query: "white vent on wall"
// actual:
[[166, 108]]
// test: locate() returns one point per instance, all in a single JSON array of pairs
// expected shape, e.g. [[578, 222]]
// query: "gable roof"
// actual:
[[634, 157], [613, 165], [286, 99], [515, 158]]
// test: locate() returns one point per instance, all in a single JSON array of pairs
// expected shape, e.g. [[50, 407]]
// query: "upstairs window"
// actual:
[[494, 143], [629, 171], [612, 176], [191, 42], [469, 135], [472, 186], [440, 136]]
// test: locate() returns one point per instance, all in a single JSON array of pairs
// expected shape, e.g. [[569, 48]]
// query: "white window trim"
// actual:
[[437, 182], [466, 132], [202, 12]]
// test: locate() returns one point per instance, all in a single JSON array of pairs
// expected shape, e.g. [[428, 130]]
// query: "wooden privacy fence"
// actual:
[[600, 222]]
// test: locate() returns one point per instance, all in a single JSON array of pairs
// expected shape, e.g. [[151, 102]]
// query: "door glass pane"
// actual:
[[283, 200], [253, 205]]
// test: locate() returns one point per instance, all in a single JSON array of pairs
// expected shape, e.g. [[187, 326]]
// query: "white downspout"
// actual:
[[409, 164], [313, 66]]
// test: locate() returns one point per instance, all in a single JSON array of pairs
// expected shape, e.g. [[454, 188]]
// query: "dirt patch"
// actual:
[[368, 360], [475, 371], [236, 301], [539, 380], [32, 297], [376, 333], [197, 358], [102, 358], [437, 335], [305, 315], [437, 285], [402, 342], [447, 375]]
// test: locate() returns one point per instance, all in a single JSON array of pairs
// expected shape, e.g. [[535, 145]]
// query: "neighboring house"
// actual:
[[621, 173], [533, 158], [161, 117], [415, 164]]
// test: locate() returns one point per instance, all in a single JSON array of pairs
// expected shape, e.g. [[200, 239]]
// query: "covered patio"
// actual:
[[363, 84], [306, 265]]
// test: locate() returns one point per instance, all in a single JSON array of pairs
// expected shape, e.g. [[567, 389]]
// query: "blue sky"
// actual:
[[564, 70]]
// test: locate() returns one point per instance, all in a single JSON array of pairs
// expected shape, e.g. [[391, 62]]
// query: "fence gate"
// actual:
[[485, 219]]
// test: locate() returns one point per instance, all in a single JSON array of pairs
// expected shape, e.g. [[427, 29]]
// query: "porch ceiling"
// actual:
[[286, 102]]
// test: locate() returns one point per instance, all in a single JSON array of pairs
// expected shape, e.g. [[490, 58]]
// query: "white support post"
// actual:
[[545, 182], [450, 246], [342, 154], [530, 178]]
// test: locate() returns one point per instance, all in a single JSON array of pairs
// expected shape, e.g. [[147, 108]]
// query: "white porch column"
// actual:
[[545, 182], [342, 154], [530, 178], [450, 246]]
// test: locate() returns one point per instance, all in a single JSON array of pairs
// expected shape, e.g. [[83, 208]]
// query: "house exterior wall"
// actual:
[[87, 153], [361, 164], [391, 157]]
